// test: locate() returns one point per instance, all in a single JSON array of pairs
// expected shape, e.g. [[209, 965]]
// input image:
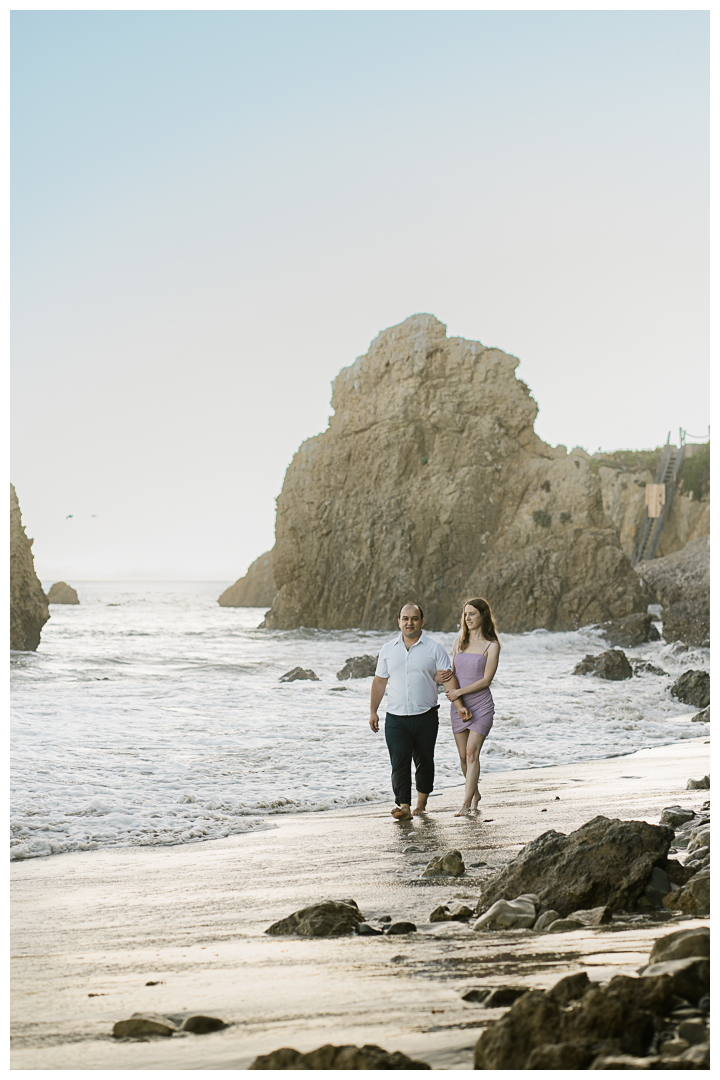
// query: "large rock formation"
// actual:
[[62, 593], [681, 582], [256, 589], [431, 485], [28, 604]]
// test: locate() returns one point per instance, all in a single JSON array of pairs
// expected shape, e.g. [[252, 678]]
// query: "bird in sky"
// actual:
[[68, 516]]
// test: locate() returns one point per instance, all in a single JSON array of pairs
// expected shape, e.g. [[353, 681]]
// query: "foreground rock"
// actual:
[[144, 1024], [337, 1057], [702, 717], [256, 589], [331, 918], [613, 665], [442, 423], [358, 667], [605, 863], [448, 865], [631, 631], [681, 582], [61, 593], [299, 673], [28, 603], [692, 688]]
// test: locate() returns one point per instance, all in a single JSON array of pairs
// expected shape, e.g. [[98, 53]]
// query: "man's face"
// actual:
[[410, 621]]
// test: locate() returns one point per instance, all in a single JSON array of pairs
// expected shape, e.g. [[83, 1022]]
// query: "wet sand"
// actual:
[[192, 920]]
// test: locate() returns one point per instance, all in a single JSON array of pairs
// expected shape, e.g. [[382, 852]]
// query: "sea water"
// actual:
[[150, 715]]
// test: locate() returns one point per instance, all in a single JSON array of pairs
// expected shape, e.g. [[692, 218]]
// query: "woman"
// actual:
[[475, 660]]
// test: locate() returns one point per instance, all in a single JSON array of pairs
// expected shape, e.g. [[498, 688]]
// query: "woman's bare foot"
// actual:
[[475, 800], [463, 811], [401, 813]]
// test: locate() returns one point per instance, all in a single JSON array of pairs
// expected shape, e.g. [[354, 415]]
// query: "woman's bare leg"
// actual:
[[461, 740], [473, 747]]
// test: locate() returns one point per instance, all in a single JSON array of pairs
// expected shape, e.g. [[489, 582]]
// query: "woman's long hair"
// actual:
[[487, 623]]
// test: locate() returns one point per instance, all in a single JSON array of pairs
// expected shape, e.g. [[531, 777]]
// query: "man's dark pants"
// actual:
[[412, 738]]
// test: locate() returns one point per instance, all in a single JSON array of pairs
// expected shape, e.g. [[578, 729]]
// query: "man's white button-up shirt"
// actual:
[[411, 688]]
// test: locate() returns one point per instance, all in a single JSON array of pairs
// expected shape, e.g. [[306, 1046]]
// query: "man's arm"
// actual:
[[376, 695]]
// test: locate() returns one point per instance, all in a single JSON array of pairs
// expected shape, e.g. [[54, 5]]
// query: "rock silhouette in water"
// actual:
[[612, 664], [28, 603], [692, 688], [431, 484], [60, 593], [358, 667], [256, 589]]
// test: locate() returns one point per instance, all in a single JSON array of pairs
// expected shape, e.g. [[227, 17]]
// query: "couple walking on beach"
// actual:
[[410, 668]]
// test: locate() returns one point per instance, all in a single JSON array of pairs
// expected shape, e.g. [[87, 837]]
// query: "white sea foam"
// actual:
[[150, 715]]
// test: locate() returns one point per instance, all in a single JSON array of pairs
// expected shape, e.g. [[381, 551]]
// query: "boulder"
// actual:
[[28, 603], [331, 918], [597, 916], [689, 977], [256, 589], [448, 865], [702, 717], [681, 582], [299, 673], [144, 1024], [703, 784], [546, 920], [358, 667], [681, 944], [337, 1057], [657, 888], [529, 1024], [692, 688], [502, 996], [612, 664], [455, 913], [401, 927], [631, 631], [570, 988], [604, 863], [693, 898], [507, 915], [61, 593], [676, 815], [200, 1024], [423, 420]]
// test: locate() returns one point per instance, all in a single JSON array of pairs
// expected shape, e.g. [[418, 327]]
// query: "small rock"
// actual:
[[330, 918], [702, 717], [630, 631], [681, 944], [699, 785], [644, 667], [440, 914], [561, 926], [366, 929], [60, 593], [597, 916], [358, 667], [144, 1024], [384, 918], [693, 898], [612, 664], [692, 688], [461, 913], [451, 864], [546, 919], [693, 1031], [676, 815], [507, 915], [570, 988], [401, 928], [673, 1047], [475, 994], [502, 996], [299, 673], [337, 1057], [202, 1025], [622, 1061], [697, 1057], [690, 977]]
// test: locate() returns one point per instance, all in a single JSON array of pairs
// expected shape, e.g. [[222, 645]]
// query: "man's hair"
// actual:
[[411, 604]]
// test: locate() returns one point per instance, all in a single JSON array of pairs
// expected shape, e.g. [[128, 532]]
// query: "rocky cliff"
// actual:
[[430, 484], [681, 582], [28, 604], [256, 589]]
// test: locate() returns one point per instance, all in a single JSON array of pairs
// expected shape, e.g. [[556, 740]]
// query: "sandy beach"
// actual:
[[92, 929]]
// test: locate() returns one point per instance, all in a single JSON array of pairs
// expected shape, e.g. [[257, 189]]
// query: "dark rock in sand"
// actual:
[[366, 929], [448, 865], [681, 944], [502, 996], [448, 913], [337, 1057], [475, 994], [61, 593], [689, 978], [28, 603], [401, 928], [630, 631], [144, 1024], [570, 988], [358, 667], [693, 898], [299, 673], [692, 688], [702, 717], [202, 1025], [331, 918], [603, 863], [612, 664], [676, 815]]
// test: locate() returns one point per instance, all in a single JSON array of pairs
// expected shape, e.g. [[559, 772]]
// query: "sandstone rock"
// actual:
[[299, 673], [693, 898], [454, 913], [202, 1025], [631, 631], [546, 920], [703, 784], [60, 593], [597, 916], [702, 717], [256, 589], [699, 839], [144, 1024], [603, 863], [358, 667], [327, 919], [442, 423], [401, 927], [570, 988], [681, 582], [690, 977], [692, 688], [613, 665], [530, 1023], [562, 926], [28, 603], [451, 864], [507, 915], [676, 815], [337, 1057], [678, 874]]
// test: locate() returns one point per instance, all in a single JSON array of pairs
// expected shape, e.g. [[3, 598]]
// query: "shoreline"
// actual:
[[191, 919]]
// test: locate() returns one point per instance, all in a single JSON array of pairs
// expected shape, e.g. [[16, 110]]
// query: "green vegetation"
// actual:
[[633, 460], [695, 473]]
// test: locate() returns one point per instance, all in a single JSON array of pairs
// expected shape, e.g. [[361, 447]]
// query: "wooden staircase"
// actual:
[[650, 531]]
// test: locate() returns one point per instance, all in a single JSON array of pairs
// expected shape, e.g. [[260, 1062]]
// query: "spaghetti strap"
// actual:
[[488, 646]]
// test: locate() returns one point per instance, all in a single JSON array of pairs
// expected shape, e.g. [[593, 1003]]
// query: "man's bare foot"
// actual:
[[419, 810], [401, 813], [463, 811]]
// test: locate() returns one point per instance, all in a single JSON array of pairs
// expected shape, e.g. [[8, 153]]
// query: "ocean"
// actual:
[[150, 715]]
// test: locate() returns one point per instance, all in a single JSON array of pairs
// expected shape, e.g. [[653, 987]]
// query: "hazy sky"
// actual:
[[213, 212]]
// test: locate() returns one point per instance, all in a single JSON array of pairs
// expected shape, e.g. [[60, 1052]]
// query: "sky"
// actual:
[[212, 213]]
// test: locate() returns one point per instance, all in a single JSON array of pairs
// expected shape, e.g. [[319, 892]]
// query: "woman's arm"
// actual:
[[493, 655]]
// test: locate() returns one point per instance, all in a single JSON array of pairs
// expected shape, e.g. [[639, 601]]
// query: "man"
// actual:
[[413, 664]]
